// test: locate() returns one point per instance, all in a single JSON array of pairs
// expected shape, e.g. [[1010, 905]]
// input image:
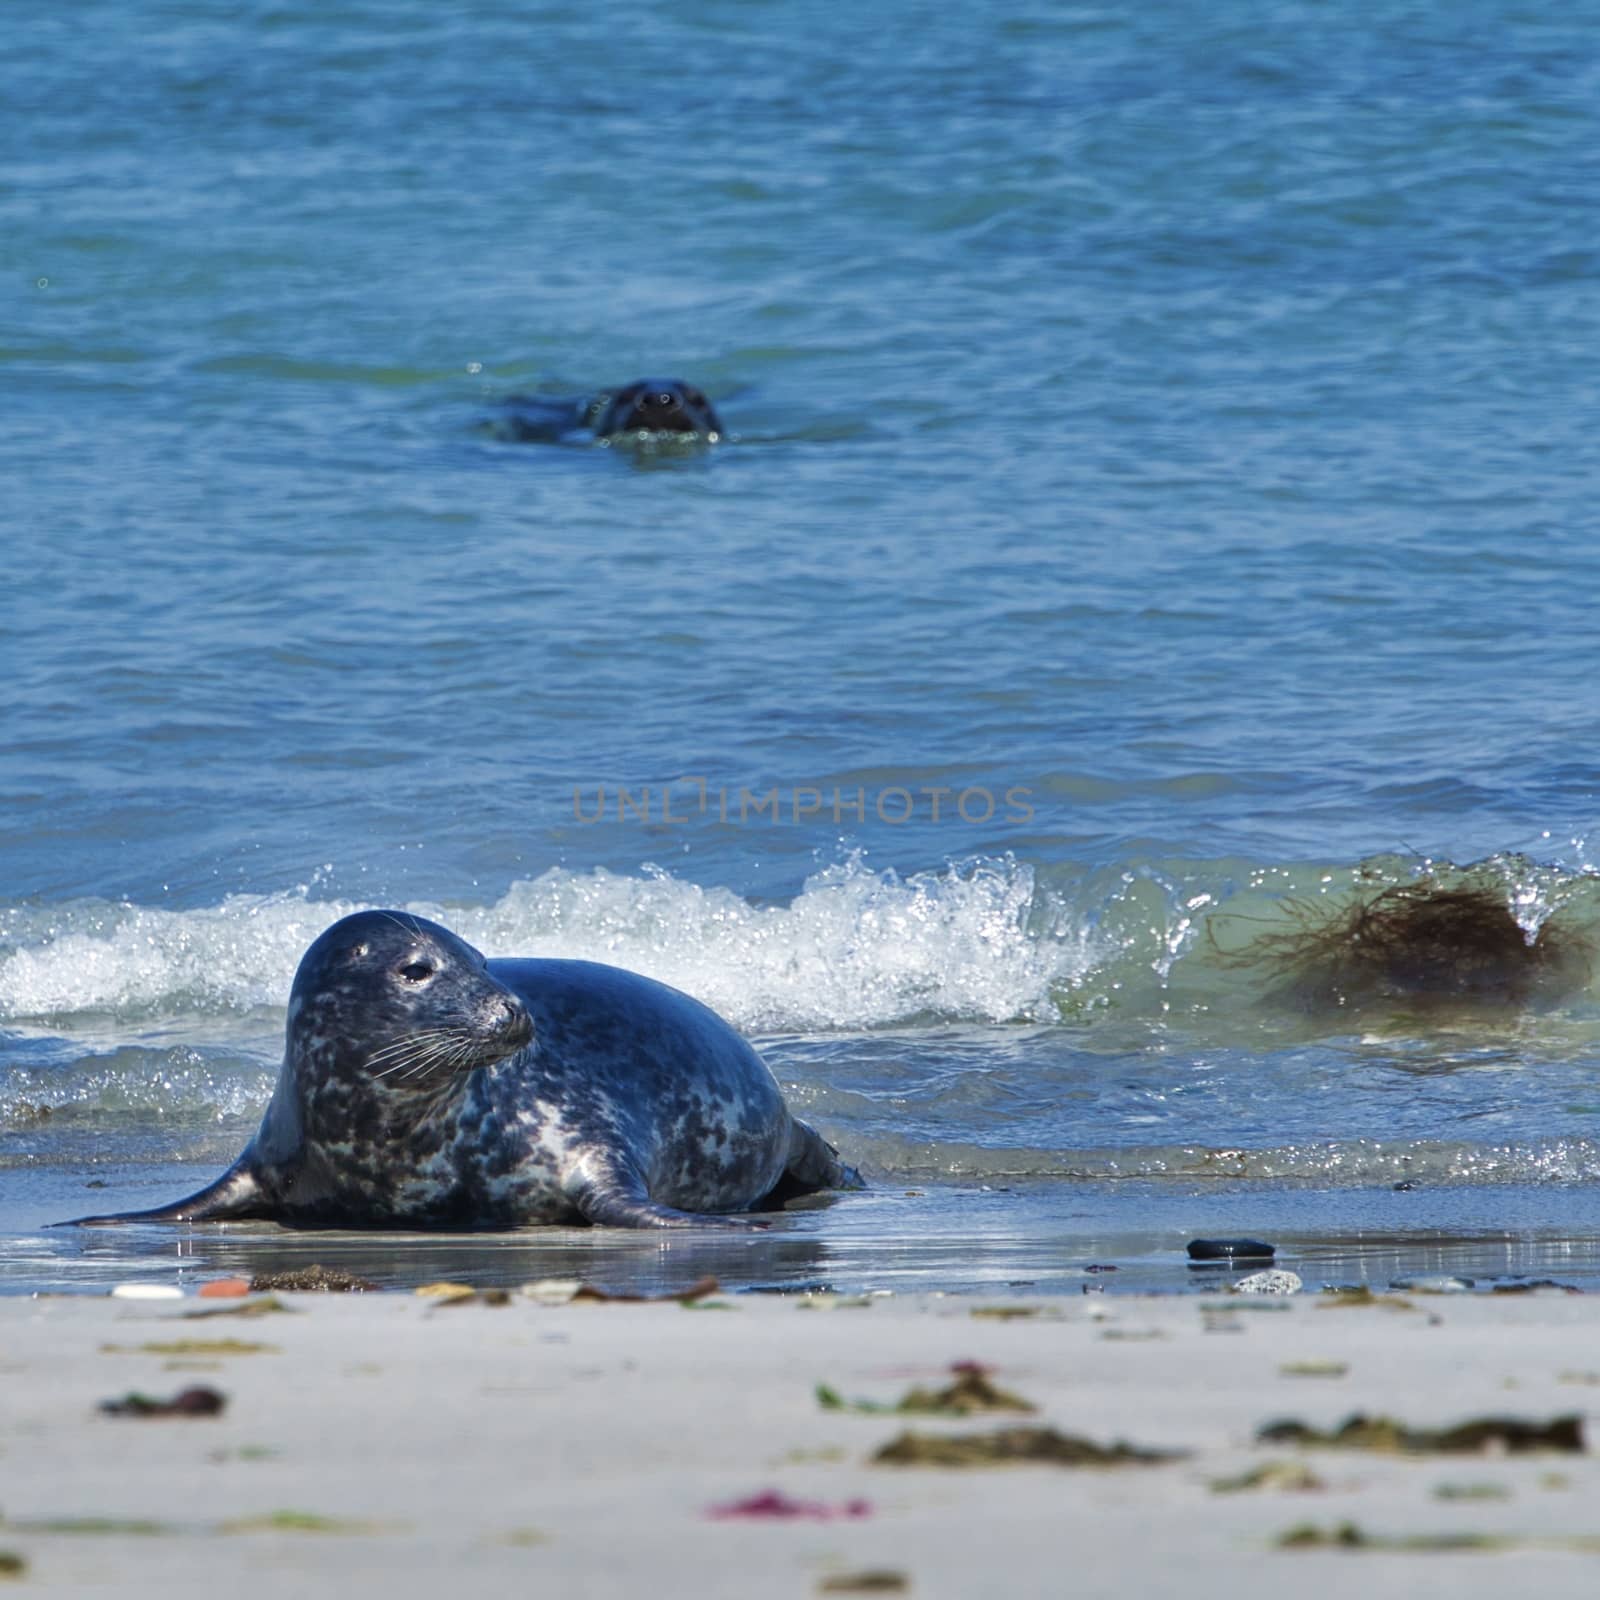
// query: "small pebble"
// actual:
[[147, 1291], [446, 1293], [224, 1288], [551, 1291], [1276, 1282]]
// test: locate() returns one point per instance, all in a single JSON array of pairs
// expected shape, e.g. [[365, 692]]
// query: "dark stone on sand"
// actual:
[[1227, 1250]]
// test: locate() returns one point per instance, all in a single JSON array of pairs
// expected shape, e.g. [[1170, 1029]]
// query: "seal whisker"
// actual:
[[446, 1053], [416, 1061], [409, 1042]]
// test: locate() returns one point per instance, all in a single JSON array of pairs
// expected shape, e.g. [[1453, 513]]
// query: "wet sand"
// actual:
[[385, 1443]]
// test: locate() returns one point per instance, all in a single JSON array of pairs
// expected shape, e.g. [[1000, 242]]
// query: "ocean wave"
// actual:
[[855, 949], [988, 940]]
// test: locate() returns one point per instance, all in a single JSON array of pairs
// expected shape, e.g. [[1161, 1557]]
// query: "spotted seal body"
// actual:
[[423, 1086], [652, 406]]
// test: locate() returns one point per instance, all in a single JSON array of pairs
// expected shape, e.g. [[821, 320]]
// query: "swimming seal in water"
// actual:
[[650, 406], [423, 1086]]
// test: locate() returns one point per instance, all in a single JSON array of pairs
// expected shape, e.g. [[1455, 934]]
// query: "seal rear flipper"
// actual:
[[813, 1164], [235, 1194]]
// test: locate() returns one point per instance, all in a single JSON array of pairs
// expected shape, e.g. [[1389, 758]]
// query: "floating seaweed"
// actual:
[[1416, 942]]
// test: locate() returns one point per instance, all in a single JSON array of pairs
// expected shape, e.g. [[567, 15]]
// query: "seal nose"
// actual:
[[515, 1023]]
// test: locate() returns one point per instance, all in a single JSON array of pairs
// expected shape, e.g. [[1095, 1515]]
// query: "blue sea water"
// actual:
[[1159, 498]]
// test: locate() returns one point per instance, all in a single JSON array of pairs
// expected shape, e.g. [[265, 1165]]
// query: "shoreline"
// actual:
[[390, 1438]]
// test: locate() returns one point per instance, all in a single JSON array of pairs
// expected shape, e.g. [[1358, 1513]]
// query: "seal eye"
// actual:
[[666, 401], [416, 972]]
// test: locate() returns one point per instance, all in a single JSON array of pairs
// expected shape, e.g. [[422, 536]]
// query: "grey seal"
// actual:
[[649, 407], [426, 1087]]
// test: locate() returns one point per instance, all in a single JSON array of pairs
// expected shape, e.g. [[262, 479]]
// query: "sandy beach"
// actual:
[[388, 1443]]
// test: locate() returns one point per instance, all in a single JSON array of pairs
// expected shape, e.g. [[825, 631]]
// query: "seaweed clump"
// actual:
[[1418, 942]]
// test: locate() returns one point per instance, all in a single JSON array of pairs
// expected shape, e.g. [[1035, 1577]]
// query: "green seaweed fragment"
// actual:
[[1349, 1536], [191, 1347], [296, 1522], [876, 1580], [263, 1307], [1013, 1445], [140, 1527], [970, 1391], [1509, 1434], [1293, 1476]]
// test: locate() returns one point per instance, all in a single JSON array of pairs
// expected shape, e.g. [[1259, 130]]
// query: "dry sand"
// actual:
[[577, 1450]]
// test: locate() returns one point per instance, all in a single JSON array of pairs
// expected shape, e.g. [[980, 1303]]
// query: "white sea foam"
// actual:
[[856, 948]]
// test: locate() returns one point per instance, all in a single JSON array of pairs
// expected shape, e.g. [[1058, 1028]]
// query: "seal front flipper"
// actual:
[[237, 1193], [617, 1205]]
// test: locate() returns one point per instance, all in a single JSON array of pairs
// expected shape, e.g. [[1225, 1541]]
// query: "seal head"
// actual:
[[657, 405]]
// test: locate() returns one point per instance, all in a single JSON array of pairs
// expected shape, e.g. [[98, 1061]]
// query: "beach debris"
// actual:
[[12, 1565], [970, 1391], [1479, 1436], [1013, 1445], [313, 1279], [462, 1294], [300, 1522], [264, 1307], [1358, 1294], [1434, 1283], [1005, 1313], [771, 1505], [1291, 1476], [551, 1291], [697, 1290], [526, 1538], [199, 1401], [1471, 1491], [827, 1300], [224, 1289], [147, 1291], [1313, 1369], [875, 1580], [190, 1347], [445, 1293], [1531, 1284], [1274, 1282], [1230, 1250], [1349, 1536], [113, 1527], [1592, 1378]]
